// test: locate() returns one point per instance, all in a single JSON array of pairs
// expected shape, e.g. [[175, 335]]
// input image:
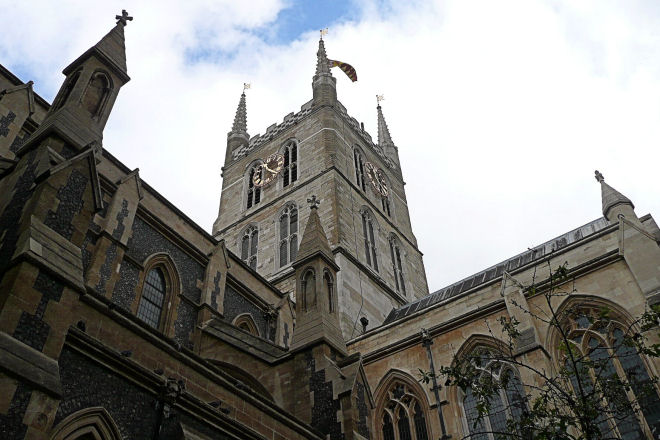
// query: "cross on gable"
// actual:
[[313, 202], [599, 176], [124, 18]]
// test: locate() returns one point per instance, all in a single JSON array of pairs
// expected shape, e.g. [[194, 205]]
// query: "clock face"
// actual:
[[268, 170], [377, 178]]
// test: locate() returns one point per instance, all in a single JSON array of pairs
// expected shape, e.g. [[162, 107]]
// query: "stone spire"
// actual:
[[611, 199], [240, 120], [384, 138], [324, 85], [322, 64], [238, 136]]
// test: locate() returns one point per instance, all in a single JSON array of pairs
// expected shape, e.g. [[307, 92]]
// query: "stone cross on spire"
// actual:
[[599, 176], [313, 202], [124, 18]]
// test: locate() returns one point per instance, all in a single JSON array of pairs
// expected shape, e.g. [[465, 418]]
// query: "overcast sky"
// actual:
[[501, 110]]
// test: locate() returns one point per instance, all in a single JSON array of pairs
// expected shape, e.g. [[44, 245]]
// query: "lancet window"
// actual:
[[249, 245], [397, 266], [369, 239], [359, 169], [329, 290], [288, 235], [290, 169], [253, 191], [154, 292]]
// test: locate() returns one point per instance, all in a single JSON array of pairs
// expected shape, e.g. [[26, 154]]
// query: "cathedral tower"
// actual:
[[322, 150]]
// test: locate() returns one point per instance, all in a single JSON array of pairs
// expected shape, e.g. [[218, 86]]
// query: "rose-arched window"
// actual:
[[598, 341], [402, 417], [509, 401]]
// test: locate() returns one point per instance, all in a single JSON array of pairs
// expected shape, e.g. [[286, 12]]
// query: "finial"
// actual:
[[313, 202], [246, 86], [599, 176], [323, 32], [379, 98], [124, 18]]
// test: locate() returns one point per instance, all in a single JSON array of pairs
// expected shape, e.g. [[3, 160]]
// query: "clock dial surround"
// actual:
[[268, 169], [377, 178]]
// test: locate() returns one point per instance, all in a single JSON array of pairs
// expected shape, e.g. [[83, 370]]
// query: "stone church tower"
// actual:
[[326, 152]]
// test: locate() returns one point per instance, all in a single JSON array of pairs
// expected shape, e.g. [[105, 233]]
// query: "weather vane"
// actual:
[[246, 86], [379, 98], [323, 32]]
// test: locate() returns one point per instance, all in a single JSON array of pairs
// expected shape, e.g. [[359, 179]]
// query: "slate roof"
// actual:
[[497, 270]]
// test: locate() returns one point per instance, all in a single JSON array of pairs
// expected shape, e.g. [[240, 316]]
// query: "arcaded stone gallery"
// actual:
[[304, 314]]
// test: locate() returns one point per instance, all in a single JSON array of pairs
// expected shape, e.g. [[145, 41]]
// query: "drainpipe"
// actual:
[[170, 392], [427, 342]]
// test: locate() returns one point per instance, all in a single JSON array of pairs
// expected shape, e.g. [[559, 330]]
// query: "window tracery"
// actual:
[[402, 417], [290, 169], [509, 401], [600, 345], [249, 246], [288, 224]]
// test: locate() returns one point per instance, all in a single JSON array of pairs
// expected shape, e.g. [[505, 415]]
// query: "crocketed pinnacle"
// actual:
[[384, 138], [611, 197], [240, 120], [322, 64]]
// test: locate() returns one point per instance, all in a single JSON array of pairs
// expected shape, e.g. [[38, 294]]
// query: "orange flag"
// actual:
[[347, 68]]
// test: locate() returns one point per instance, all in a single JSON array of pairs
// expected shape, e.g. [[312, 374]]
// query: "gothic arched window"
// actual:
[[402, 415], [97, 93], [600, 343], [397, 266], [154, 292], [66, 90], [385, 202], [369, 239], [359, 169], [328, 285], [249, 245], [508, 402], [246, 323], [288, 235], [309, 290], [290, 170], [253, 191]]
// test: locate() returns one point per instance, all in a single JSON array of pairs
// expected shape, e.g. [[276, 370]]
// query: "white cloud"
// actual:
[[501, 110]]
